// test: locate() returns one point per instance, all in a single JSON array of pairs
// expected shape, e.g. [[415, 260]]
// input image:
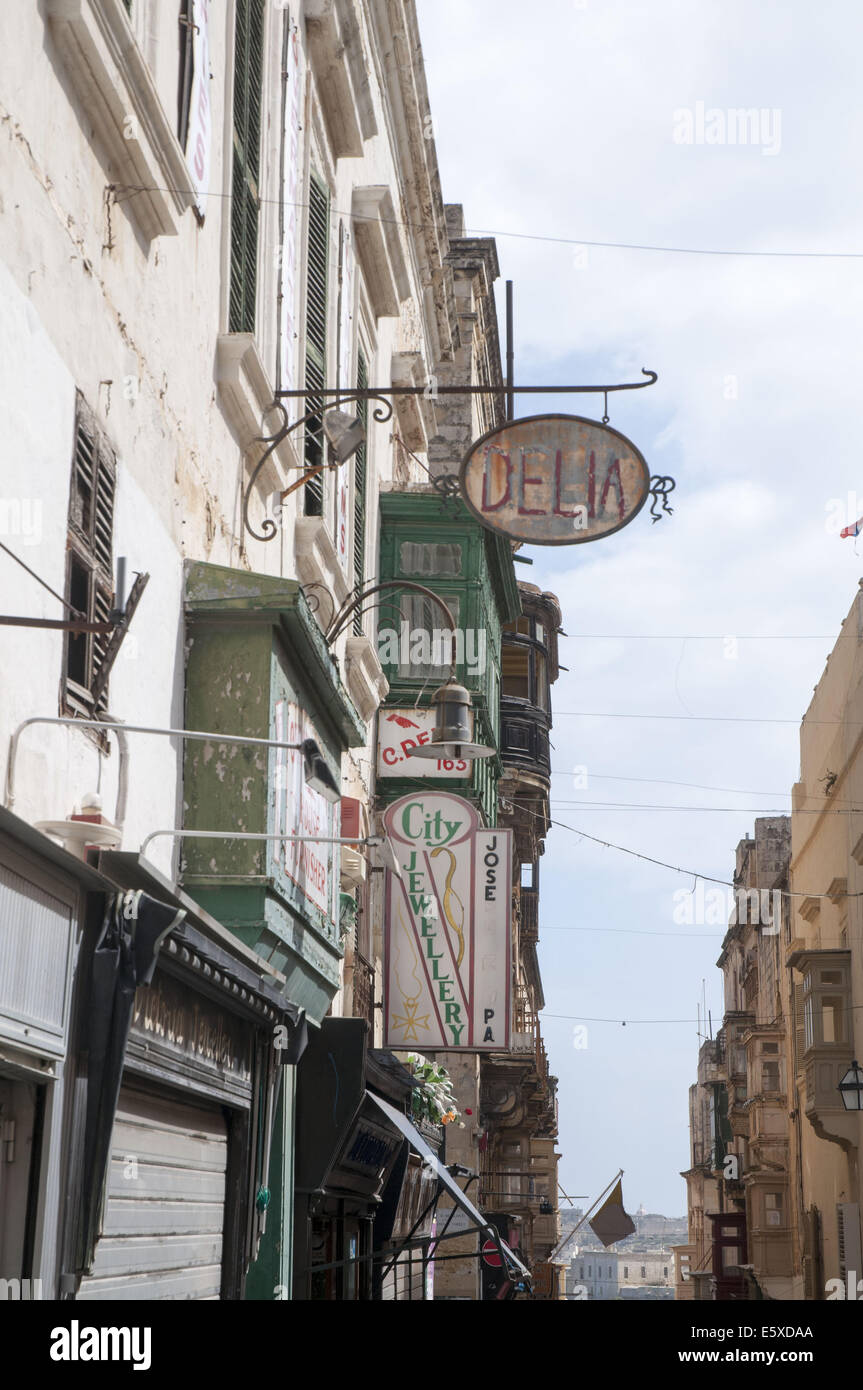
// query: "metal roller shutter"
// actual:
[[166, 1200]]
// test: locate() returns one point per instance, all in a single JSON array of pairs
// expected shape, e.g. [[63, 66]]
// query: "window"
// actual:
[[808, 1021], [520, 625], [626, 1271], [515, 671], [245, 196], [773, 1208], [89, 564], [665, 1271], [417, 558], [589, 1272], [831, 1020], [643, 1272], [360, 493], [770, 1077], [317, 264], [429, 648]]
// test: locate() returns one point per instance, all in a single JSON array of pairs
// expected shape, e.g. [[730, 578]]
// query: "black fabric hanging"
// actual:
[[125, 958]]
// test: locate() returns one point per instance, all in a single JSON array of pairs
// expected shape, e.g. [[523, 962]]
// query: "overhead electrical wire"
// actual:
[[703, 718], [516, 236], [694, 874], [668, 782]]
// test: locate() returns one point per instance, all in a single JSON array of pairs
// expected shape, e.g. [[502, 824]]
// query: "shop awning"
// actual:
[[448, 1182]]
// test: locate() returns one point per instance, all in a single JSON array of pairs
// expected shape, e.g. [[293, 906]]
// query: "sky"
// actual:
[[608, 121]]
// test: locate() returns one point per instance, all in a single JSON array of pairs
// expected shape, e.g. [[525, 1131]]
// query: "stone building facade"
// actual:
[[196, 216], [774, 1184]]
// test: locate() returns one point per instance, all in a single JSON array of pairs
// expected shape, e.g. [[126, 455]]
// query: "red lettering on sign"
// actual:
[[487, 504], [524, 482], [612, 479]]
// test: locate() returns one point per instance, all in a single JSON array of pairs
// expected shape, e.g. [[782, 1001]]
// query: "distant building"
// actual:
[[646, 1273], [593, 1270]]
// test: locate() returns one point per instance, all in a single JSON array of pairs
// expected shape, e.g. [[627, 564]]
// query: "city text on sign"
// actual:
[[554, 480]]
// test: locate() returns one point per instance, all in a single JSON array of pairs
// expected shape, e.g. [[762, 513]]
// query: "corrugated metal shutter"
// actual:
[[317, 261], [165, 1206], [245, 200]]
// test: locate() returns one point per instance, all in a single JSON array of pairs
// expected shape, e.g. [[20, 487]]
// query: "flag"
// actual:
[[852, 530], [611, 1222]]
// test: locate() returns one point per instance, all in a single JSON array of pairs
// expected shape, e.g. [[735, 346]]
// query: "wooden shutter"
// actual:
[[185, 71], [90, 564], [848, 1231], [317, 258], [245, 203], [360, 493]]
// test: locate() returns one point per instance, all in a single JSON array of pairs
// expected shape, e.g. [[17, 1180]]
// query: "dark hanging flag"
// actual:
[[134, 928], [611, 1222]]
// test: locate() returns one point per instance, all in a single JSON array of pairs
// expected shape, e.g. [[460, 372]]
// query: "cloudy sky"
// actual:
[[569, 119]]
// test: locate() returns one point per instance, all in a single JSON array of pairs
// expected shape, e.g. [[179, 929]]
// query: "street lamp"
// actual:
[[452, 737], [851, 1087]]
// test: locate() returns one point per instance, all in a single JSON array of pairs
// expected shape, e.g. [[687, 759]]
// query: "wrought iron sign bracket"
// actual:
[[332, 397], [384, 411]]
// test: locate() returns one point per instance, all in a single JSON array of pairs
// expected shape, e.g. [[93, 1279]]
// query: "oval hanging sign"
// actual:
[[554, 480]]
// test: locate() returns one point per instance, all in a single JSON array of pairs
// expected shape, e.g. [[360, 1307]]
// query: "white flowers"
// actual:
[[433, 1099]]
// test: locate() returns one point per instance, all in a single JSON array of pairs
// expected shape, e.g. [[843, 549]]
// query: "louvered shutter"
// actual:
[[848, 1231], [360, 493], [245, 202], [90, 580], [317, 257]]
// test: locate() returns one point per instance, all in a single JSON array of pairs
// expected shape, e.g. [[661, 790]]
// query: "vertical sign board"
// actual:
[[200, 133], [447, 947], [301, 811]]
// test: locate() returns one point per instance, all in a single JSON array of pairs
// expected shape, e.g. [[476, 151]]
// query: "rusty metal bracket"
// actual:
[[384, 412]]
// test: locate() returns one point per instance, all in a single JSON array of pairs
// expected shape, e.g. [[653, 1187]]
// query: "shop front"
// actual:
[[368, 1178], [175, 1103], [46, 896]]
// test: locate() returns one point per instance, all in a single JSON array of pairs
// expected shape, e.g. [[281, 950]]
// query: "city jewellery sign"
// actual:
[[447, 930], [554, 480]]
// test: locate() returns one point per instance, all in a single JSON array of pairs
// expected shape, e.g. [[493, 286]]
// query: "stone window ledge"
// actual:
[[97, 47], [415, 414], [245, 394], [379, 249], [336, 53], [318, 563], [364, 676]]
